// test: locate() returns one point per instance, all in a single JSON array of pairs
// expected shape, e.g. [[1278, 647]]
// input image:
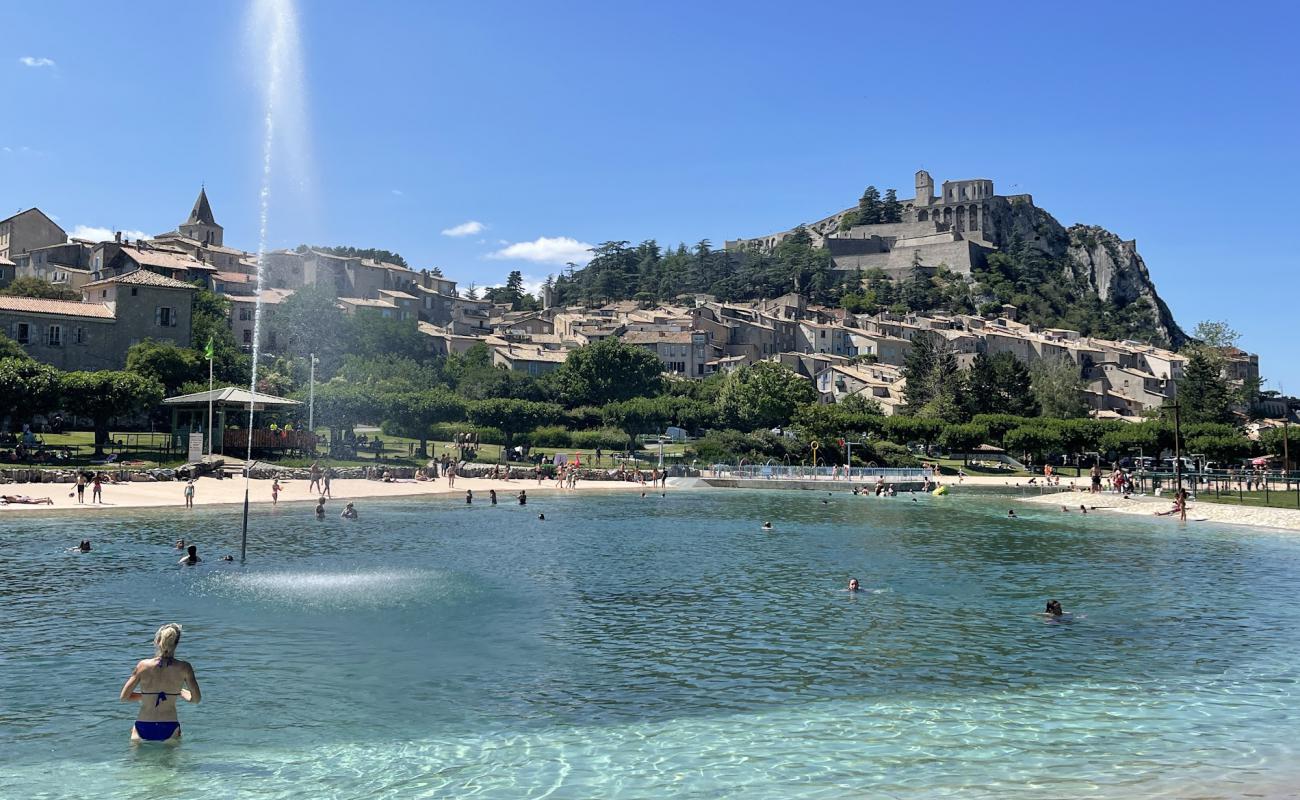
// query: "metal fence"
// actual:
[[800, 473]]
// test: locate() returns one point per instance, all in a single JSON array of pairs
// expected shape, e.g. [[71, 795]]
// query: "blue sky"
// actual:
[[1169, 123]]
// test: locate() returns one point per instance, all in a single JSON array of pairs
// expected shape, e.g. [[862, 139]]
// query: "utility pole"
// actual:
[[1178, 461], [311, 397]]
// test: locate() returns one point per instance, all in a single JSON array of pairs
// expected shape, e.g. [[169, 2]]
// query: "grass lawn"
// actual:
[[1275, 499], [949, 466]]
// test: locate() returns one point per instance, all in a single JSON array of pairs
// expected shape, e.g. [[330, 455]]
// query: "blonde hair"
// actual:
[[166, 639]]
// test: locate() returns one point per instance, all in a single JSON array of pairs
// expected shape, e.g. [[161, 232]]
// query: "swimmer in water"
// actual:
[[1012, 513], [492, 496], [320, 509], [542, 517], [349, 512], [180, 544], [767, 526], [84, 546], [1054, 609], [155, 683], [853, 585], [227, 558], [191, 556]]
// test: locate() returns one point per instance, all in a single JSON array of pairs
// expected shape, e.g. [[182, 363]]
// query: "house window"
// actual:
[[78, 335], [54, 336], [245, 314], [248, 336], [22, 333], [165, 317], [134, 291]]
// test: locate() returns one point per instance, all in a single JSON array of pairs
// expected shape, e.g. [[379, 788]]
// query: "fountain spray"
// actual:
[[281, 29]]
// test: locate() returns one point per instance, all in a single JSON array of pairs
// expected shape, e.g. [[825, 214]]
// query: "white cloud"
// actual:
[[547, 250], [32, 61], [93, 234], [465, 229], [398, 192], [532, 285]]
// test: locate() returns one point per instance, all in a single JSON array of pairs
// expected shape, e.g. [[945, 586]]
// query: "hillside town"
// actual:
[[142, 289]]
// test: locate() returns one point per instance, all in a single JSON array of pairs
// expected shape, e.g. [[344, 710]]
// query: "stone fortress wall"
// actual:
[[956, 228]]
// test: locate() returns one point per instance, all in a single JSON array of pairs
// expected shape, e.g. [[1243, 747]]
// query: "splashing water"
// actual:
[[274, 25]]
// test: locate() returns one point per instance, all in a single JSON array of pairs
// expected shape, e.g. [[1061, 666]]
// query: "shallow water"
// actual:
[[657, 647]]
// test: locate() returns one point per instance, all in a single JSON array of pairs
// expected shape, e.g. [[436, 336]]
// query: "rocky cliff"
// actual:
[[1116, 272]]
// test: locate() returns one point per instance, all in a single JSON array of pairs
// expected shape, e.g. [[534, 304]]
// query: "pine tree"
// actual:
[[869, 209], [1203, 393], [891, 210]]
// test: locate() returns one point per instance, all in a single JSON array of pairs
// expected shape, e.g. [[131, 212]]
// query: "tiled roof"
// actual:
[[234, 277], [656, 337], [165, 259], [142, 277], [63, 308], [398, 295]]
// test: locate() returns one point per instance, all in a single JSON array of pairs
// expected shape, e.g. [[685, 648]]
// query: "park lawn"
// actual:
[[949, 466], [1275, 499]]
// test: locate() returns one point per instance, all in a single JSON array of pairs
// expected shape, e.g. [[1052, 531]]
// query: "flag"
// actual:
[[207, 351]]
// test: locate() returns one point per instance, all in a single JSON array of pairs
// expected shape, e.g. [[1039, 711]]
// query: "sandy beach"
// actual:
[[212, 492], [1106, 502]]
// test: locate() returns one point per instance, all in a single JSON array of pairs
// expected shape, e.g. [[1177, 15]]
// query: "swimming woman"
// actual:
[[156, 683]]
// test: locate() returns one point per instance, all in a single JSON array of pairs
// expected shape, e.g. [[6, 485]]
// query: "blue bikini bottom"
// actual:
[[156, 731]]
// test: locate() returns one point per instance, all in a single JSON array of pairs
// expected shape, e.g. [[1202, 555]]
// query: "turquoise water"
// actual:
[[657, 647]]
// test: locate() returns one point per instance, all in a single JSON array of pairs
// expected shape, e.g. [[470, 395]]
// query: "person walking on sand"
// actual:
[[275, 492], [328, 475], [315, 474], [189, 493], [81, 487], [451, 476], [97, 490], [155, 684]]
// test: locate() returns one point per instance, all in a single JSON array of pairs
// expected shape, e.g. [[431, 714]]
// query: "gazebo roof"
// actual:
[[231, 395], [987, 448]]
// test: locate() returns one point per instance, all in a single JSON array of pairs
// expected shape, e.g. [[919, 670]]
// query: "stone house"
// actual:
[[26, 231], [683, 353], [95, 333]]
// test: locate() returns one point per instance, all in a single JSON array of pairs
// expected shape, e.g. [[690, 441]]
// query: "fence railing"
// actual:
[[785, 472]]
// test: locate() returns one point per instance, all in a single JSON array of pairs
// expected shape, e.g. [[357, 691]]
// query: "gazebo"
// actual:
[[229, 412]]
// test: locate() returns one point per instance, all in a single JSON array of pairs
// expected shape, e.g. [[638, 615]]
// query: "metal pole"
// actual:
[[311, 397], [243, 541], [209, 407]]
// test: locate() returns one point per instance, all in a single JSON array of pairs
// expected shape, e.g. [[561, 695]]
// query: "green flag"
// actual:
[[207, 351]]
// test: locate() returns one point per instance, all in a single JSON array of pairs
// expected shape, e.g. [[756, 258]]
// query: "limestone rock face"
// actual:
[[1116, 272]]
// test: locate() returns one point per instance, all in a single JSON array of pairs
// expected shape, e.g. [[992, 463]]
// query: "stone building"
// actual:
[[26, 231], [95, 333], [201, 226]]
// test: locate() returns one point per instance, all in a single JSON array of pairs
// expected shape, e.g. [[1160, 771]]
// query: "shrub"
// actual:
[[549, 436], [605, 438], [890, 454], [446, 432]]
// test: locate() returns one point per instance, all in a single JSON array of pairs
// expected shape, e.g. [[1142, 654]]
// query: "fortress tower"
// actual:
[[924, 188]]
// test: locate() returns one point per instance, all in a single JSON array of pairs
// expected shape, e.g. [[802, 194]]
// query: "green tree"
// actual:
[[11, 349], [210, 321], [1058, 388], [341, 406], [999, 384], [963, 438], [934, 381], [869, 207], [311, 321], [372, 335], [170, 365], [27, 387], [1218, 447], [513, 417], [827, 422], [891, 210], [606, 372], [28, 286], [372, 253], [638, 415], [1034, 440], [1216, 334], [413, 414], [907, 430], [1203, 394], [763, 395], [104, 395]]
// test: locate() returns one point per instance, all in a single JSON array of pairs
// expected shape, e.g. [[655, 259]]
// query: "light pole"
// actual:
[[311, 396]]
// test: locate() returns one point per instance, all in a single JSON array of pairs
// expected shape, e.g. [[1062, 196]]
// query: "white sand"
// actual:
[[1107, 502], [211, 492]]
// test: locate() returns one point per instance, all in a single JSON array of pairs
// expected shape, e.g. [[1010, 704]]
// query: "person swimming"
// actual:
[[492, 496], [84, 546], [191, 556], [853, 585], [767, 526], [1012, 513], [349, 512], [1054, 608], [227, 558], [320, 509], [180, 544], [542, 517], [156, 683]]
